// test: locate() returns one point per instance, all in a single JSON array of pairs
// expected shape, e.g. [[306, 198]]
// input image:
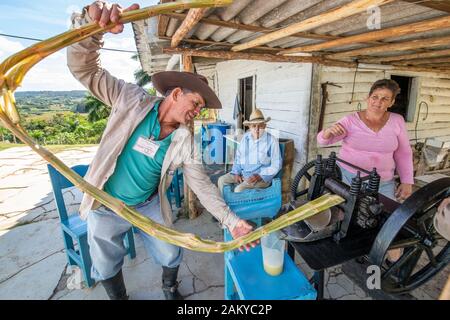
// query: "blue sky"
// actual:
[[43, 19]]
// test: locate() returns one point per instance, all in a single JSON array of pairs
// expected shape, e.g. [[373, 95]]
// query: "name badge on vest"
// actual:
[[146, 146]]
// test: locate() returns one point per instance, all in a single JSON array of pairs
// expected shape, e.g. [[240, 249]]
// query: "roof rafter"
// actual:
[[347, 10], [442, 5], [192, 18], [397, 46], [422, 26]]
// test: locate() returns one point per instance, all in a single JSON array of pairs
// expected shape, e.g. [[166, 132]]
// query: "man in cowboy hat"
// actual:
[[257, 159], [145, 141]]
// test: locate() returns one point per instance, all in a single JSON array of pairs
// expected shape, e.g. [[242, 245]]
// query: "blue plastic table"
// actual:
[[253, 283]]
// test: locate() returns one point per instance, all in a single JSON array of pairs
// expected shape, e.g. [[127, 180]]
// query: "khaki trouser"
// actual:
[[228, 179]]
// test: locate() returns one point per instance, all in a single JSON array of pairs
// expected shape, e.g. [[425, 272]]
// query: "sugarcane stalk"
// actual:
[[12, 72]]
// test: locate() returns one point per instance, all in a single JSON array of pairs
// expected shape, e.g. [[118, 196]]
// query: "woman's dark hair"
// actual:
[[386, 84]]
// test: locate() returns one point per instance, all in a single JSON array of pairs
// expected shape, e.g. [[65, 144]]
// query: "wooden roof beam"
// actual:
[[248, 27], [218, 43], [442, 5], [163, 21], [422, 26], [192, 18], [347, 10], [429, 54], [442, 71], [398, 46], [230, 55], [427, 61]]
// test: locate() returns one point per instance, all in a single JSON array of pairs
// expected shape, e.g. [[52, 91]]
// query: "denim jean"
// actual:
[[387, 188], [106, 231]]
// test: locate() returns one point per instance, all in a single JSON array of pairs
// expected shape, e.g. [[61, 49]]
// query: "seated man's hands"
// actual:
[[241, 229], [103, 13], [254, 179], [238, 178]]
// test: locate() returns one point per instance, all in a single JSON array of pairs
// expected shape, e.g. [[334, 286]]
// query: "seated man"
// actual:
[[257, 159]]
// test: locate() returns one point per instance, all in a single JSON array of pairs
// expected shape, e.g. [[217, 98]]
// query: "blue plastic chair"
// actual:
[[245, 278], [175, 190], [74, 229]]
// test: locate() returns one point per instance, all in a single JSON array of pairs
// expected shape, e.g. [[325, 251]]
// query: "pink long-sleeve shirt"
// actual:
[[386, 150]]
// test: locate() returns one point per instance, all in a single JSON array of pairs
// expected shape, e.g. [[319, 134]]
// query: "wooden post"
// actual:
[[288, 162], [314, 112], [190, 205]]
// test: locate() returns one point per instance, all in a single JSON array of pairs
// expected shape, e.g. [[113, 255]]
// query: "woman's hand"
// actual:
[[103, 13], [404, 190], [241, 229], [335, 130]]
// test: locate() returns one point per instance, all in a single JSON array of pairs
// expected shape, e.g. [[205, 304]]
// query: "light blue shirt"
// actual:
[[260, 157]]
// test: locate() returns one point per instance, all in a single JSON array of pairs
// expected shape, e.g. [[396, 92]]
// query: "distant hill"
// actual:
[[72, 93], [40, 102]]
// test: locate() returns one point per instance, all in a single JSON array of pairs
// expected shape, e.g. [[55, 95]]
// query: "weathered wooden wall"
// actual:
[[432, 89]]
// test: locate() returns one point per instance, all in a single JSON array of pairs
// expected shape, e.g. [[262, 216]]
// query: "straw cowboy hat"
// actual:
[[167, 80], [256, 117]]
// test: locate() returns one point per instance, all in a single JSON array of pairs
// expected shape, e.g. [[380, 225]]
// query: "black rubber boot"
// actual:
[[115, 287], [170, 284]]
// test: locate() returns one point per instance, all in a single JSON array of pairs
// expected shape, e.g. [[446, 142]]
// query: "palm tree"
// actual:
[[96, 109], [142, 78]]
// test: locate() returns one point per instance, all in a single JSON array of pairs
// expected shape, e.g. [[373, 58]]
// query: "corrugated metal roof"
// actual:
[[276, 14]]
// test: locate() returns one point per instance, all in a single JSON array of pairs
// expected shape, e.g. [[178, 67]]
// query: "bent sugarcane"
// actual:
[[12, 72]]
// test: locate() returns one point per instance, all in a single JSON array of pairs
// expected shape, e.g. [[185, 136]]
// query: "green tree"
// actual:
[[96, 109], [140, 76], [3, 133], [37, 135]]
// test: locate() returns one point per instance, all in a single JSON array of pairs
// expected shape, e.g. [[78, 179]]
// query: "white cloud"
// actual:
[[9, 47], [52, 72]]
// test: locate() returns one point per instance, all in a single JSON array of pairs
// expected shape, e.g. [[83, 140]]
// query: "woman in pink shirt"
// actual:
[[376, 138]]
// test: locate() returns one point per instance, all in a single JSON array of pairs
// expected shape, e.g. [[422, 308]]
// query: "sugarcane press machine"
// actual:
[[372, 225]]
